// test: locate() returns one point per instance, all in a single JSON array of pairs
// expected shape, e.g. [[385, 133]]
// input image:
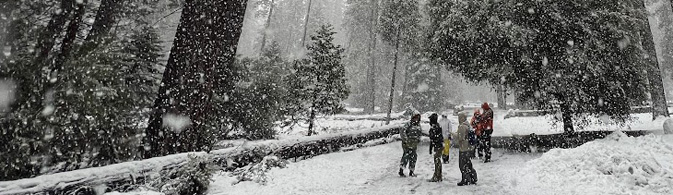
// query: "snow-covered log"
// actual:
[[532, 142], [120, 177], [304, 147]]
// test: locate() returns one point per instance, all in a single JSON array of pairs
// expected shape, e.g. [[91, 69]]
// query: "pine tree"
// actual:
[[425, 87], [399, 27], [319, 82], [576, 58], [262, 101], [361, 25], [80, 98]]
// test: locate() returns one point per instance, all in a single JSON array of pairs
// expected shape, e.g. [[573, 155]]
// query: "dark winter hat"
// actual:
[[433, 118], [416, 115]]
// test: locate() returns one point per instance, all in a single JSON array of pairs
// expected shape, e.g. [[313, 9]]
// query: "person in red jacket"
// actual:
[[486, 121], [475, 123]]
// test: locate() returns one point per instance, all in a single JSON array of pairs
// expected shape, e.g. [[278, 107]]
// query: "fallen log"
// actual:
[[120, 177], [305, 147], [546, 142]]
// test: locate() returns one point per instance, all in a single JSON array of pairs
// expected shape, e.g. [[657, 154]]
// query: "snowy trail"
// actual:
[[374, 171]]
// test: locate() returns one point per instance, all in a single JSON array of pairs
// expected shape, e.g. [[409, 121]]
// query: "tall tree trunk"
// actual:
[[67, 46], [370, 103], [308, 16], [205, 43], [105, 19], [311, 119], [47, 38], [403, 100], [392, 81], [502, 96], [566, 115], [266, 26], [657, 93], [68, 42]]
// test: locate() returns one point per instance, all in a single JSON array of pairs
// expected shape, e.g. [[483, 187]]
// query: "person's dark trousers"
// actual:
[[469, 175], [487, 144], [437, 176], [480, 145], [409, 157]]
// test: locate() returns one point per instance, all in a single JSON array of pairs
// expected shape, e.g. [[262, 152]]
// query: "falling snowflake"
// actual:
[[175, 122]]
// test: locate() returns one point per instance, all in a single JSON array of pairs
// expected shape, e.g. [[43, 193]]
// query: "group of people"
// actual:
[[481, 125]]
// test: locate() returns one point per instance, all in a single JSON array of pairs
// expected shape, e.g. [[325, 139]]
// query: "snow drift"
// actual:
[[617, 164]]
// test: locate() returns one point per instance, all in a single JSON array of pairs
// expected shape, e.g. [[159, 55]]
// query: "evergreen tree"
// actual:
[[576, 58], [399, 27], [263, 99], [426, 91], [319, 81], [78, 105], [361, 24]]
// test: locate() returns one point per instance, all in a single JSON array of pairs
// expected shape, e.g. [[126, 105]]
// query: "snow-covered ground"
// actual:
[[615, 165], [543, 125], [326, 126], [331, 125]]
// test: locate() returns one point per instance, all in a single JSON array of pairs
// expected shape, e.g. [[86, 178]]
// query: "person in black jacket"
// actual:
[[436, 146]]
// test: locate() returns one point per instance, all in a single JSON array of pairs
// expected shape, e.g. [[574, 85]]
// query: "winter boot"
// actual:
[[445, 159], [411, 174], [401, 173], [462, 183]]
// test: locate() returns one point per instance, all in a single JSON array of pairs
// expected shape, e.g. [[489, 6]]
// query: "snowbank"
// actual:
[[617, 164]]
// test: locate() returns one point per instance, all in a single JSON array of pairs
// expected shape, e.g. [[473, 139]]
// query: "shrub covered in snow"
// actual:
[[615, 165], [192, 178], [258, 172]]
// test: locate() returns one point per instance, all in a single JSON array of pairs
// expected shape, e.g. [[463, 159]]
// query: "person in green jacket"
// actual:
[[411, 135]]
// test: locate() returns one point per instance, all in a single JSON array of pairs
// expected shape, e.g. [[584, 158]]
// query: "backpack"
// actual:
[[471, 138]]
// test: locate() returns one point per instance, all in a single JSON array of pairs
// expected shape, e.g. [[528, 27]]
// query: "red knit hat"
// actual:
[[485, 106]]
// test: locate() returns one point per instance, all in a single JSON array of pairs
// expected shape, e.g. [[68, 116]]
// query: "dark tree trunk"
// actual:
[[311, 121], [68, 42], [502, 96], [105, 19], [403, 100], [205, 44], [266, 26], [392, 80], [566, 115], [370, 103], [45, 43], [308, 17], [659, 106], [48, 37]]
